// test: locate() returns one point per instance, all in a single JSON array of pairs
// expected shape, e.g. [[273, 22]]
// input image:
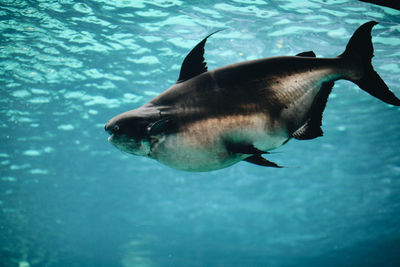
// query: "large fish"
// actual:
[[395, 4], [210, 120]]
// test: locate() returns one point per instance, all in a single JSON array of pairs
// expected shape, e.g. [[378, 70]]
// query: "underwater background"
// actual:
[[69, 198]]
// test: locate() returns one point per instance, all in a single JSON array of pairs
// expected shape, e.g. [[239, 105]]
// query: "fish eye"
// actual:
[[116, 128]]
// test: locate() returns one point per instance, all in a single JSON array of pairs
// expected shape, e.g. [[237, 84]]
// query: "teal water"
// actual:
[[69, 198]]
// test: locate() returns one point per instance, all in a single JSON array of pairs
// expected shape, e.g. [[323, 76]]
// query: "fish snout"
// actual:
[[111, 128]]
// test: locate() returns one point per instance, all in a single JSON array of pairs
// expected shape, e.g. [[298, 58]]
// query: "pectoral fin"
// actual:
[[255, 154], [164, 125], [244, 148], [259, 160]]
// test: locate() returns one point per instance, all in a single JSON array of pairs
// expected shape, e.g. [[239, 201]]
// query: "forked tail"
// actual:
[[360, 50]]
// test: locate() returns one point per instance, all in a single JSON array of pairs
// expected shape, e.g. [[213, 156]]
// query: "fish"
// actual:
[[385, 3], [213, 119]]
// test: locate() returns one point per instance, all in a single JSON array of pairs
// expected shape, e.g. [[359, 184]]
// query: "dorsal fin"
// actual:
[[194, 63], [312, 128], [306, 54]]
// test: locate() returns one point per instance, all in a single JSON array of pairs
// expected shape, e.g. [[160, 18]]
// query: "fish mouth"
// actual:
[[119, 138], [120, 141], [116, 140], [129, 145]]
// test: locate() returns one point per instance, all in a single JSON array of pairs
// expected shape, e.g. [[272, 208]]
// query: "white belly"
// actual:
[[201, 146]]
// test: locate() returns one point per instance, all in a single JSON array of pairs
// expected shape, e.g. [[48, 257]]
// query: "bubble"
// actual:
[[66, 127], [9, 179], [38, 171], [48, 149], [32, 153]]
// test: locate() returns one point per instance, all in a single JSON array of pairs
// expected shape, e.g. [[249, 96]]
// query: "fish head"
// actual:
[[129, 131]]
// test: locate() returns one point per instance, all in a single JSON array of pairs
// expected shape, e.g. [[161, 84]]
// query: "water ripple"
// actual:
[[68, 66]]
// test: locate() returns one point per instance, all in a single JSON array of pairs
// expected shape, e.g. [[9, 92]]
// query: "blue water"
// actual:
[[69, 198]]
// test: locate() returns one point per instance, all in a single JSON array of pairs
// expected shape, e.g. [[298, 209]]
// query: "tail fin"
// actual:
[[360, 49]]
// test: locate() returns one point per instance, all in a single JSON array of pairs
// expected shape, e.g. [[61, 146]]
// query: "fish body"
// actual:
[[210, 120], [386, 3]]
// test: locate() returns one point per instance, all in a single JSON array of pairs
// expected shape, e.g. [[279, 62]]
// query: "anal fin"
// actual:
[[312, 127], [258, 160]]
